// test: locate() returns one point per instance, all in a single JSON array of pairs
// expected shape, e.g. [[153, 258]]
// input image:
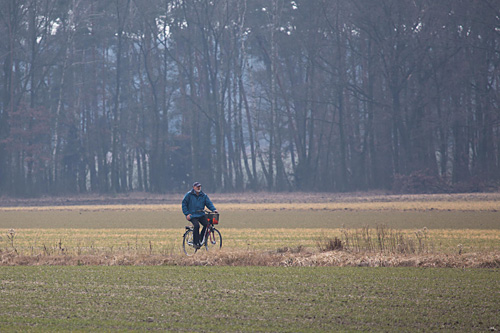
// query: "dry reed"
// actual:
[[380, 239], [263, 258]]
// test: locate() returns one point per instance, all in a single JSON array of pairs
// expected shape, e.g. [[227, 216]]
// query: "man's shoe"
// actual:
[[196, 246]]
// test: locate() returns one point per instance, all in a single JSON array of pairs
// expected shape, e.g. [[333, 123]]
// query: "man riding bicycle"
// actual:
[[193, 206]]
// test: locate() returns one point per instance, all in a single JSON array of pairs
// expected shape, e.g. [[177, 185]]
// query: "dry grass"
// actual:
[[290, 258], [264, 201], [244, 198], [168, 241], [260, 229], [419, 205], [380, 246]]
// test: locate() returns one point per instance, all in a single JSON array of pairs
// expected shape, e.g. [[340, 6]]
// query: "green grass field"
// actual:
[[250, 299]]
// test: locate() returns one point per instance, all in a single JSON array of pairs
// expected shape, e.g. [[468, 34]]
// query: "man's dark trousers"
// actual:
[[197, 237]]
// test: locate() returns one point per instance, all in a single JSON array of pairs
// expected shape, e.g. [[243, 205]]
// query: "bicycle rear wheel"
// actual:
[[187, 243], [214, 241]]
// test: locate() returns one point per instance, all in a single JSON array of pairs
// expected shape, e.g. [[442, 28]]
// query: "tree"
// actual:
[[245, 95]]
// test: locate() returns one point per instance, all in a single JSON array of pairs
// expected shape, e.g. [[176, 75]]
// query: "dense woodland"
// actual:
[[325, 95]]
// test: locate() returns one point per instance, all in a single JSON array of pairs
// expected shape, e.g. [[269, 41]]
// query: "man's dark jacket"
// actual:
[[195, 204]]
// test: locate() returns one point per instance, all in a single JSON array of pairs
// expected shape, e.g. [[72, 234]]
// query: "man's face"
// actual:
[[197, 188]]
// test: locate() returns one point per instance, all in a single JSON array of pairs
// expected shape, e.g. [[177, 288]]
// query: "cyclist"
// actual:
[[193, 206]]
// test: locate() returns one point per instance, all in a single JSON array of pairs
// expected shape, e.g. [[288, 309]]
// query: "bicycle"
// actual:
[[212, 239]]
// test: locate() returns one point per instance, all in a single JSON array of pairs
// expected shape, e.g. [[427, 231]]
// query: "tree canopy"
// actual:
[[328, 95]]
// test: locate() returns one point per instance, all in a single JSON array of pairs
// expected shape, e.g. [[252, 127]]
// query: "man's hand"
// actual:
[[188, 217], [216, 211]]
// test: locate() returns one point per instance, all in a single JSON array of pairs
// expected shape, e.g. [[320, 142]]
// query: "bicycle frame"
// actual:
[[210, 238], [209, 233]]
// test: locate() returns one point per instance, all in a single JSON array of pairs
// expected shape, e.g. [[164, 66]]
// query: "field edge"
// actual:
[[283, 257]]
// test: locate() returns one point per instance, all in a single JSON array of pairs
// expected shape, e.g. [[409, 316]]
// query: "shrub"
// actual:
[[475, 185], [420, 182], [327, 244]]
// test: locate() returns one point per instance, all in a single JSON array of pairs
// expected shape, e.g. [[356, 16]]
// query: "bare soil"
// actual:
[[140, 198]]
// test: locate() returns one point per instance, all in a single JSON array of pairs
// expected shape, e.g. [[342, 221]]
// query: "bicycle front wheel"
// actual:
[[214, 241], [187, 243]]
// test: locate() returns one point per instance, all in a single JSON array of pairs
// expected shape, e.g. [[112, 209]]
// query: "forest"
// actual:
[[249, 95]]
